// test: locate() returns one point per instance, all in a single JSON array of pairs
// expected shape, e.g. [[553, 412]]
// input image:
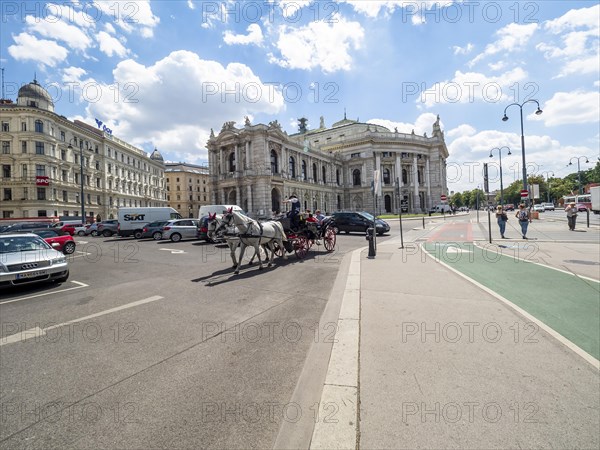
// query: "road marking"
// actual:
[[559, 337], [37, 331], [81, 285], [173, 251]]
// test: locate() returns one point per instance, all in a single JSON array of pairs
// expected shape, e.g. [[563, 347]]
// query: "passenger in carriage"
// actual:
[[319, 215], [294, 212]]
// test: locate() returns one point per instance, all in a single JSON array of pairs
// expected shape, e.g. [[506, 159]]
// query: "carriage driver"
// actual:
[[294, 211]]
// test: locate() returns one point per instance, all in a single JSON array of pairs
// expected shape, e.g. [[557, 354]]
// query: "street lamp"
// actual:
[[505, 118], [500, 155], [548, 181], [579, 169], [70, 147]]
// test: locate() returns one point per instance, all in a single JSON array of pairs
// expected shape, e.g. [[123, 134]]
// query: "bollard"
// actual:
[[588, 217], [371, 238], [423, 222]]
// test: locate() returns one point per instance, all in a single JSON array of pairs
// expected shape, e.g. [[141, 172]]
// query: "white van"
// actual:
[[217, 209], [442, 208], [133, 220]]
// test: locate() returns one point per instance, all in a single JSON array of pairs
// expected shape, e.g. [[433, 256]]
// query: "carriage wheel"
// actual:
[[278, 249], [301, 246], [329, 240]]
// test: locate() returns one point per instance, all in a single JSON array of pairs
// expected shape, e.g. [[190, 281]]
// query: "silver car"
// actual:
[[179, 229], [27, 258]]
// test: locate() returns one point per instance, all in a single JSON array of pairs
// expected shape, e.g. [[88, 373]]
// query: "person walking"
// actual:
[[501, 218], [524, 219], [571, 211]]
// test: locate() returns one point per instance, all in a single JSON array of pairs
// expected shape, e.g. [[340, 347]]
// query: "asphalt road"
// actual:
[[155, 344]]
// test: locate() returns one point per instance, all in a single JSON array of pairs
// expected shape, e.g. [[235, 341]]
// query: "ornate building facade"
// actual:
[[41, 164], [187, 187], [329, 168]]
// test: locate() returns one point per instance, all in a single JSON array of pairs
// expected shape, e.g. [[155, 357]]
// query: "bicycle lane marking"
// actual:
[[564, 303]]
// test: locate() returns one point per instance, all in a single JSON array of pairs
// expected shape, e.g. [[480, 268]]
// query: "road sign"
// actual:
[[443, 198], [404, 205], [524, 194]]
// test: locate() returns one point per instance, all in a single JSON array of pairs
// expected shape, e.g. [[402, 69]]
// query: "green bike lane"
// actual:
[[568, 304]]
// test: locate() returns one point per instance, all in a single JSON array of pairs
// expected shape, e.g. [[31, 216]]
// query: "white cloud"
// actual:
[[460, 131], [318, 44], [566, 108], [512, 37], [254, 36], [471, 87], [575, 18], [110, 45], [174, 102], [54, 28], [463, 50], [29, 47], [423, 124], [191, 5], [109, 28], [130, 15], [410, 9]]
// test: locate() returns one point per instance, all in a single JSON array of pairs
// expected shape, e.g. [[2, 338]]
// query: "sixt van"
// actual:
[[217, 209], [595, 194], [133, 220]]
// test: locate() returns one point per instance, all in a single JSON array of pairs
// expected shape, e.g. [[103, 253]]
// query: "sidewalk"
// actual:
[[441, 361]]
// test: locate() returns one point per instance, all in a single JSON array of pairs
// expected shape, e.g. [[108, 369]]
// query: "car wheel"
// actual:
[[107, 233], [175, 237], [69, 248], [94, 233], [157, 236], [137, 234], [81, 233]]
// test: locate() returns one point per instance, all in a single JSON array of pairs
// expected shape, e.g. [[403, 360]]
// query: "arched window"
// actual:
[[356, 177], [337, 176], [274, 162], [39, 126], [323, 175], [292, 168], [386, 176], [304, 175], [314, 172], [232, 162], [404, 176]]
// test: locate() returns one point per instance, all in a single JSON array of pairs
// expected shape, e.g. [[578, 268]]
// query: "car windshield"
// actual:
[[22, 244], [366, 215]]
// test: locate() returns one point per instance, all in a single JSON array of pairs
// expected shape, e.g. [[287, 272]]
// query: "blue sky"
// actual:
[[163, 73]]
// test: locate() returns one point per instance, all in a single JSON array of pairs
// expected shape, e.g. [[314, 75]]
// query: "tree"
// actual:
[[457, 200]]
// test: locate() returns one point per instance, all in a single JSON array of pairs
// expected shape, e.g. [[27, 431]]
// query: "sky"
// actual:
[[164, 73]]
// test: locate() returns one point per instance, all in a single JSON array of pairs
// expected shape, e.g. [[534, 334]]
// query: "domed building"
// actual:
[[48, 160], [329, 168]]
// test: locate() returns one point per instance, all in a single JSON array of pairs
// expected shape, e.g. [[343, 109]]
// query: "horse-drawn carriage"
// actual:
[[276, 235]]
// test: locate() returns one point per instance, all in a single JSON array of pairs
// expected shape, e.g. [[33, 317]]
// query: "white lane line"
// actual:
[[173, 251], [37, 331], [81, 285], [559, 337]]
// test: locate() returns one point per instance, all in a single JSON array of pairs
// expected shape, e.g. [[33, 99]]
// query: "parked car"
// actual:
[[581, 207], [24, 226], [539, 208], [548, 206], [67, 227], [179, 229], [154, 230], [27, 258], [348, 221], [509, 207], [91, 229], [61, 242], [80, 230], [108, 227]]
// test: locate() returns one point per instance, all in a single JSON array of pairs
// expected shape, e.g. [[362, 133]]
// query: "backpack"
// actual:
[[523, 215]]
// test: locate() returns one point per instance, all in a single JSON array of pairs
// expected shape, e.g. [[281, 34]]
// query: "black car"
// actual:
[[349, 221], [25, 226], [153, 230]]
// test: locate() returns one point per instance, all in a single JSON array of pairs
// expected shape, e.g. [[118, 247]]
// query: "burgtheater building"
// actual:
[[330, 168], [41, 161]]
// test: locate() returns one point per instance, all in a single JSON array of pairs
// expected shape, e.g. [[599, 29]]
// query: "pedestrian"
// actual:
[[294, 212], [501, 218], [524, 219], [571, 211]]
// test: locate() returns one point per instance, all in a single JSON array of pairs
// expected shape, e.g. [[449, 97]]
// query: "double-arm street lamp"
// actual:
[[548, 175], [70, 147], [500, 155], [505, 118], [579, 169]]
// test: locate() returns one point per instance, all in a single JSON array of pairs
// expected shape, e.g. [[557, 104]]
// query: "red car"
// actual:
[[61, 242]]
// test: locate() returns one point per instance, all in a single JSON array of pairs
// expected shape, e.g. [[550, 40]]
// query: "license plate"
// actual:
[[37, 273]]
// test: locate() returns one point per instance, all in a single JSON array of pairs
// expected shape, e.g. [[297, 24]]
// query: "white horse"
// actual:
[[218, 229], [255, 234]]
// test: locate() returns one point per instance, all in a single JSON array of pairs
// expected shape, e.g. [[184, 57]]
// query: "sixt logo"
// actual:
[[133, 217]]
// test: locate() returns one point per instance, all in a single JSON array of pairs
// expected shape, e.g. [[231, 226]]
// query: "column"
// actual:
[[238, 165], [224, 196], [416, 202], [428, 183], [398, 170], [238, 200], [249, 194], [247, 166]]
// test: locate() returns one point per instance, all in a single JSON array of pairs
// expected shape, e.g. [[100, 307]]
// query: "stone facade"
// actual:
[[187, 187], [41, 165], [259, 166]]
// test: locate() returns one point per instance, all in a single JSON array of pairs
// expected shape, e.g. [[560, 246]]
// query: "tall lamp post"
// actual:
[[70, 147], [505, 118], [578, 169], [500, 155], [548, 182]]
